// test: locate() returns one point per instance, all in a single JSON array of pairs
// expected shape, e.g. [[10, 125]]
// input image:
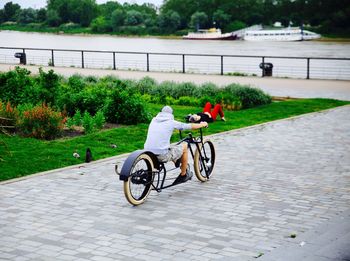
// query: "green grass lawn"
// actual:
[[24, 156]]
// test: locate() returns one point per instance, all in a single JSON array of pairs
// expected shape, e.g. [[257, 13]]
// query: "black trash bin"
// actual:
[[22, 58], [267, 69]]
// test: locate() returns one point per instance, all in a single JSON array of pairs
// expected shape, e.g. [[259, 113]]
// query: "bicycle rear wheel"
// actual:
[[204, 160], [138, 185]]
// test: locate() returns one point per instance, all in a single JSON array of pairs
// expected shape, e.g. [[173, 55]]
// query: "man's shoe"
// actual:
[[223, 119], [183, 178], [188, 176]]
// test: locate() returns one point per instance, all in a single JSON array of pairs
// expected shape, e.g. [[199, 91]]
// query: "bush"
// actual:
[[92, 99], [15, 86], [170, 100], [19, 87], [147, 98], [68, 100], [99, 120], [183, 89], [189, 101], [127, 85], [163, 89], [206, 89], [88, 123], [145, 85], [125, 108], [41, 122], [76, 83], [248, 96], [204, 99], [229, 101], [82, 94], [24, 107], [70, 123], [77, 118], [49, 84], [91, 79]]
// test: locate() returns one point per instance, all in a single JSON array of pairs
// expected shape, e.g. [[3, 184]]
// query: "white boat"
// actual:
[[210, 34], [307, 35], [287, 34]]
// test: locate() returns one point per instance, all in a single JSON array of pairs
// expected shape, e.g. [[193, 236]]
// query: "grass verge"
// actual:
[[25, 156]]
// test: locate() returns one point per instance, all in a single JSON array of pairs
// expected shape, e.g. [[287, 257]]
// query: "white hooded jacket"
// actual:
[[160, 130]]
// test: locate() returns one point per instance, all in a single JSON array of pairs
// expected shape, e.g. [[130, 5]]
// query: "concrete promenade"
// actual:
[[298, 88], [272, 181]]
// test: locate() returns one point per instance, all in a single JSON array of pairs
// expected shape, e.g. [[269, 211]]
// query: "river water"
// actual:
[[281, 67]]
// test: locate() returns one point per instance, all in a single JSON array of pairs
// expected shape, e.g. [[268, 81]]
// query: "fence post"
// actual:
[[52, 59], [222, 65], [263, 71], [308, 69], [114, 65], [25, 59], [183, 63], [82, 59], [147, 62]]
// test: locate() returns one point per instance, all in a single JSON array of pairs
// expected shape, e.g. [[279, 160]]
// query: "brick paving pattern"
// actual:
[[270, 181]]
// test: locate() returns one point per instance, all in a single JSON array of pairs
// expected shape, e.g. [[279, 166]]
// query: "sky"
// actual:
[[42, 3]]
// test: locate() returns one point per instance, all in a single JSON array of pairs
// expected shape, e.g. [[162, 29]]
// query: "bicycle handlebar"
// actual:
[[189, 136]]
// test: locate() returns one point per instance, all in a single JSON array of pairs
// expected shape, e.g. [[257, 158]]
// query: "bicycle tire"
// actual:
[[200, 164], [138, 185]]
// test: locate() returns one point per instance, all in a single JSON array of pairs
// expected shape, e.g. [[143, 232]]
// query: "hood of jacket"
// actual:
[[163, 116]]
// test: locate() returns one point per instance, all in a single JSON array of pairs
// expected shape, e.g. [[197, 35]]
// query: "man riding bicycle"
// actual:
[[158, 141]]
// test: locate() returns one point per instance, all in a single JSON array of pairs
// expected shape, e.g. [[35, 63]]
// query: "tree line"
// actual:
[[180, 16]]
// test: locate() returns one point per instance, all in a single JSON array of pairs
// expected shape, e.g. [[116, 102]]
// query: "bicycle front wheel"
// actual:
[[204, 160], [138, 185]]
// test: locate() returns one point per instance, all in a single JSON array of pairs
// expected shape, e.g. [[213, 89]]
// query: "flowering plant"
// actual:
[[42, 122], [8, 111]]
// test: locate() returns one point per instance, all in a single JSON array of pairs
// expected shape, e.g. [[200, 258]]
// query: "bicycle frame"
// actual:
[[189, 140], [159, 167]]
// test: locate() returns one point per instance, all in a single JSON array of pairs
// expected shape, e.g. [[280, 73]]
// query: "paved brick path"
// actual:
[[270, 181]]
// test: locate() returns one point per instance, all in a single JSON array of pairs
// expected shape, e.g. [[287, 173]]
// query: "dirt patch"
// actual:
[[76, 131], [277, 98]]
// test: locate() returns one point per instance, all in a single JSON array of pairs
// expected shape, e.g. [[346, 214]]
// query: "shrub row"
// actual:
[[92, 94], [115, 100], [233, 96]]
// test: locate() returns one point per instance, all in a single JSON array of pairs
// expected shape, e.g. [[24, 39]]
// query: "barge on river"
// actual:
[[287, 34], [210, 34]]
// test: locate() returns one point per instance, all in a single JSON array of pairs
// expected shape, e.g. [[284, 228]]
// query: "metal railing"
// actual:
[[221, 63]]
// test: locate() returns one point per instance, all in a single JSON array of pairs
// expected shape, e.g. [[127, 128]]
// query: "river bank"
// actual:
[[80, 31], [87, 31]]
